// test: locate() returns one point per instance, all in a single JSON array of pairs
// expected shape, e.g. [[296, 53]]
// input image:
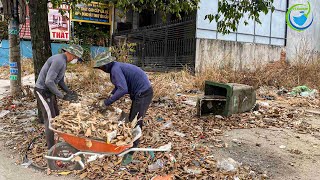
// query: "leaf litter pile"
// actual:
[[168, 120], [84, 119]]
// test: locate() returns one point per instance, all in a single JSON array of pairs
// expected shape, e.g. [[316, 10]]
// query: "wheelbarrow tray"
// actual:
[[94, 148], [91, 145]]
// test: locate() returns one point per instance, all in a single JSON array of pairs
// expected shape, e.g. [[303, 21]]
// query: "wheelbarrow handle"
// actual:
[[47, 108]]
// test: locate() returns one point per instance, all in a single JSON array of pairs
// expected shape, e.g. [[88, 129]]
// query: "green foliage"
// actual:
[[122, 51], [92, 34], [165, 6], [228, 17], [230, 12]]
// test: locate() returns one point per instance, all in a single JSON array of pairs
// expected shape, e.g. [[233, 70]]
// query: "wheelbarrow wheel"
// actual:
[[63, 149]]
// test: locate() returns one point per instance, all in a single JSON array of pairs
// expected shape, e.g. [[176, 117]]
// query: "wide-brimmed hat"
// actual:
[[75, 50], [103, 59]]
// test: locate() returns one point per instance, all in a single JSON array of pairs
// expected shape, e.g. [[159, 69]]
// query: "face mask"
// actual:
[[74, 61]]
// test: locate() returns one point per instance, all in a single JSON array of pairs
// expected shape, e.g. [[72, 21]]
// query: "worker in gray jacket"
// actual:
[[52, 74]]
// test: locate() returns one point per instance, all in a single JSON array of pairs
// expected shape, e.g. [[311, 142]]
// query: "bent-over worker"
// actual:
[[51, 74], [127, 79]]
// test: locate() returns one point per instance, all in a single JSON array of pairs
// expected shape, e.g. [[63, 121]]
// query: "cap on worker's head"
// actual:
[[103, 59], [75, 50]]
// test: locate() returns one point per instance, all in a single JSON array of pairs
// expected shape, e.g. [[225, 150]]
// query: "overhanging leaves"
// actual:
[[230, 12]]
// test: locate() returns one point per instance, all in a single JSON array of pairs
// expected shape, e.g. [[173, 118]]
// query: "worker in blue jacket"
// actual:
[[127, 79]]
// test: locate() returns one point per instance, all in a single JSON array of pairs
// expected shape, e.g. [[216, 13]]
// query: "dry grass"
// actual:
[[83, 78], [277, 74], [168, 84]]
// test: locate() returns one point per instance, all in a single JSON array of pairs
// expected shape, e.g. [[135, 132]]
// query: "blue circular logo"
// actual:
[[299, 17]]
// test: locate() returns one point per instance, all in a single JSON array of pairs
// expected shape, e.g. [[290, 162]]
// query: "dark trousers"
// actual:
[[140, 105], [52, 103]]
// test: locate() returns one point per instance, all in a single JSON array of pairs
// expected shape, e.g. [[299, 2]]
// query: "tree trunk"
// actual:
[[14, 54], [40, 37]]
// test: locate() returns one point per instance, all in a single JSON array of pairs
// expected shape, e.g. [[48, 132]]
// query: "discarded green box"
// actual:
[[226, 99]]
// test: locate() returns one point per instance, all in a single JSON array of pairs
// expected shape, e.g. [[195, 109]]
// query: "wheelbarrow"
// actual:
[[70, 154]]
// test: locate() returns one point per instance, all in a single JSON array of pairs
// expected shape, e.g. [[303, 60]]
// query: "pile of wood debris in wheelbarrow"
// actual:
[[86, 119]]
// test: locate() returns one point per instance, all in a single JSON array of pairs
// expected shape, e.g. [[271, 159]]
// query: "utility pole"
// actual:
[[14, 54]]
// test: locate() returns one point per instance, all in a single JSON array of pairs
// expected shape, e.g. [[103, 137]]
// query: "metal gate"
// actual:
[[164, 46]]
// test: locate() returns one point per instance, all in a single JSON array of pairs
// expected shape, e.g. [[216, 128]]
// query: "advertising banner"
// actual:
[[59, 25], [94, 12]]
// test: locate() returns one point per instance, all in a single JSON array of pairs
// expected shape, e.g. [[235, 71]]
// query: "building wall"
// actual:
[[252, 45], [305, 45], [241, 56], [300, 46]]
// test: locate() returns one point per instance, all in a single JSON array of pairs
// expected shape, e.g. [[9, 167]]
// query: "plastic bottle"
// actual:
[[167, 125], [157, 165]]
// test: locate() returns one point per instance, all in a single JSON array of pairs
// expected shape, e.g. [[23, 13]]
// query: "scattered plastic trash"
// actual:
[[64, 173], [252, 174], [122, 169], [157, 165], [218, 117], [236, 178], [4, 113], [31, 112], [26, 164], [264, 104], [193, 91], [136, 161], [282, 147], [193, 171], [151, 154], [16, 102], [196, 163], [237, 141], [282, 91], [268, 97], [190, 103], [216, 131], [312, 93], [304, 91], [229, 165], [94, 157], [172, 158], [159, 119], [111, 135], [29, 129], [167, 125], [179, 134], [257, 113]]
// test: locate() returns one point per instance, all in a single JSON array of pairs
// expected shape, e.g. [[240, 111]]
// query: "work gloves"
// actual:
[[103, 106], [71, 96]]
